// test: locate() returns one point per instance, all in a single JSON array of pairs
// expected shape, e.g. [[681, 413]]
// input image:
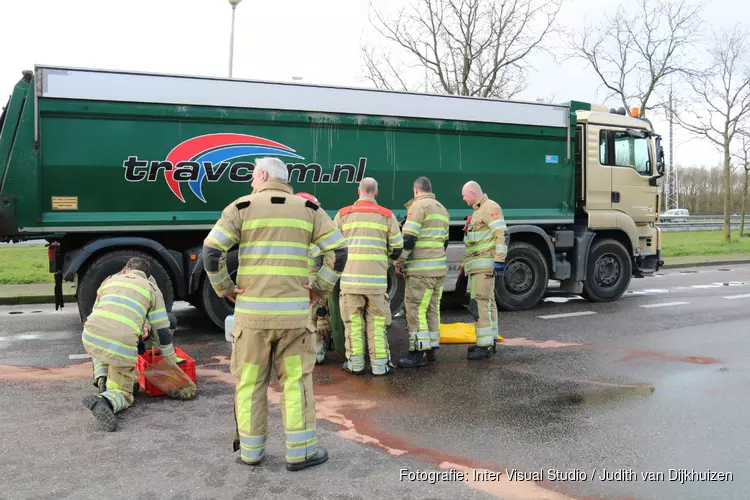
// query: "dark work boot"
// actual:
[[432, 355], [101, 383], [414, 359], [477, 353], [320, 456], [99, 406]]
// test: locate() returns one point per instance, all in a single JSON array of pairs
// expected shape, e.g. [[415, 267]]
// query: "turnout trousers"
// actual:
[[483, 307], [365, 317], [423, 294], [119, 379], [292, 354]]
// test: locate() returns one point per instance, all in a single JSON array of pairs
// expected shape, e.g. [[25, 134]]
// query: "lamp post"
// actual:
[[234, 4]]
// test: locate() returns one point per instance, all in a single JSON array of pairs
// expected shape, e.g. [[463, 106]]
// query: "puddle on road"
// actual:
[[605, 395]]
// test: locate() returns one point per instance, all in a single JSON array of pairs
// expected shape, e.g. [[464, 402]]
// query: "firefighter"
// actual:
[[423, 260], [373, 236], [486, 247], [127, 306], [320, 323], [274, 230]]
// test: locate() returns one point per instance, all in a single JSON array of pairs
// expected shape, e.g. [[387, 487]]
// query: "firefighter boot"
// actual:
[[414, 359], [432, 354], [320, 456], [477, 352], [99, 406]]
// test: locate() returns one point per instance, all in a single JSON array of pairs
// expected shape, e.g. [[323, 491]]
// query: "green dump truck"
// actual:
[[105, 165]]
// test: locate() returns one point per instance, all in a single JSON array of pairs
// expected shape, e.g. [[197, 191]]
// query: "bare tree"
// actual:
[[743, 159], [721, 102], [635, 53], [463, 47]]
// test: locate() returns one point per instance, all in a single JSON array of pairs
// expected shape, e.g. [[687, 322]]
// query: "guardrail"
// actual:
[[701, 223]]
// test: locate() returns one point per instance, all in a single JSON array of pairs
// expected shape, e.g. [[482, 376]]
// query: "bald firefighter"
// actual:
[[373, 236], [274, 230], [484, 264], [127, 306], [423, 260], [320, 324]]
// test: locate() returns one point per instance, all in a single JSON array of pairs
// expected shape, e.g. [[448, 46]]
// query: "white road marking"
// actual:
[[561, 300], [636, 292], [664, 304], [566, 315], [732, 297], [80, 356], [656, 290], [708, 286]]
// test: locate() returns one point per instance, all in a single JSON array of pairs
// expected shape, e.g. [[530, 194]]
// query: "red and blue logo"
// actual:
[[216, 149]]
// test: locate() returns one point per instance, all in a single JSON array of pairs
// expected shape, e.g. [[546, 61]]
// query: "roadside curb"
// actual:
[[34, 299], [705, 264]]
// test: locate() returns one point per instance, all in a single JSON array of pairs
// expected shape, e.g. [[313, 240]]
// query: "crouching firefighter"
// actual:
[[320, 323], [127, 305]]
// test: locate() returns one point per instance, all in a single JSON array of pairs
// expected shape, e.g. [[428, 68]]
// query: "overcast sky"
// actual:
[[274, 40]]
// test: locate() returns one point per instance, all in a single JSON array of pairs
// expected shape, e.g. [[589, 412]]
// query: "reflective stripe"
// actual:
[[283, 306], [367, 256], [412, 227], [330, 240], [474, 236], [157, 315], [433, 233], [251, 455], [355, 339], [405, 254], [274, 250], [118, 301], [282, 223], [100, 369], [244, 397], [381, 353], [423, 306], [141, 290], [294, 403], [300, 437], [222, 238], [364, 225], [478, 264], [167, 350], [273, 271], [120, 319], [122, 299], [361, 279], [112, 346], [435, 339], [377, 242], [421, 341], [498, 224], [114, 397], [217, 278], [315, 251], [303, 452], [374, 247], [252, 441], [439, 217], [426, 264], [328, 275], [501, 249], [396, 240], [379, 362], [484, 245], [428, 244]]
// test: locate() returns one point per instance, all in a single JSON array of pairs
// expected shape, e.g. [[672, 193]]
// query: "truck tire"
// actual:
[[608, 272], [112, 263], [525, 278], [217, 309], [396, 291]]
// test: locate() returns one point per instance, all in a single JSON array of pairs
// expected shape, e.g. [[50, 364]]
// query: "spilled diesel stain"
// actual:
[[547, 344], [34, 373]]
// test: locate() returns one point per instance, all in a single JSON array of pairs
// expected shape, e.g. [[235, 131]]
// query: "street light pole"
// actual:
[[234, 4]]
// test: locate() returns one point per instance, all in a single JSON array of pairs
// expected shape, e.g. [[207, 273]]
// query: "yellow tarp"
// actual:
[[459, 333]]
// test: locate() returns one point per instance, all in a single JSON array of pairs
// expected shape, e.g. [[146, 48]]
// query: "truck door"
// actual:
[[628, 154], [598, 173]]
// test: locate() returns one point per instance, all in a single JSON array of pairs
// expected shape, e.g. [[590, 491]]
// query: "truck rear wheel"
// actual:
[[608, 273], [217, 309], [112, 263], [396, 291], [525, 278]]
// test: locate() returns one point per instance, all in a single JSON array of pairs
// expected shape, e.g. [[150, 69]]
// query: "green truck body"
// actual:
[[106, 164]]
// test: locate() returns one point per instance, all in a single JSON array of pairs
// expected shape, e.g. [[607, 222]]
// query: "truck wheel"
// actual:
[[217, 309], [112, 263], [608, 273], [525, 278], [396, 291]]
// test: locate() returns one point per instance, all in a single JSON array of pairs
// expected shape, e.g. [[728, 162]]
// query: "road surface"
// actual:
[[583, 400]]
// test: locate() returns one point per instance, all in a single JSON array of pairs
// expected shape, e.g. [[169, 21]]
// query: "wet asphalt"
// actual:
[[653, 383]]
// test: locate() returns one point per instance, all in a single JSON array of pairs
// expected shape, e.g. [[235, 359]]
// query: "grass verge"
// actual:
[[23, 265], [701, 243]]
